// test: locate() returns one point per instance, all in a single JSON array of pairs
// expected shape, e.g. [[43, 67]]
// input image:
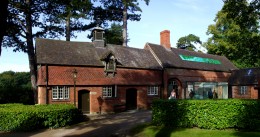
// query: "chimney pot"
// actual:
[[165, 39]]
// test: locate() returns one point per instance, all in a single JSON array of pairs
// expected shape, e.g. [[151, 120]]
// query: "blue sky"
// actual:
[[181, 17]]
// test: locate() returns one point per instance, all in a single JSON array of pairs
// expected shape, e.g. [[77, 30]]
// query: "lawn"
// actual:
[[148, 130]]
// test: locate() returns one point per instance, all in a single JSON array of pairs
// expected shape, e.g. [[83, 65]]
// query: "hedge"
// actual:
[[207, 114], [18, 117]]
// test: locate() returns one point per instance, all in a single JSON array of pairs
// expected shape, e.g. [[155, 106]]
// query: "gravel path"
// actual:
[[113, 125]]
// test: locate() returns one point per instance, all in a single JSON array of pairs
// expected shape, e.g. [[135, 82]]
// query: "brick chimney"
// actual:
[[165, 39]]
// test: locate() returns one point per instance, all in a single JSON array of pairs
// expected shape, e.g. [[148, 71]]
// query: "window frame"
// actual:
[[243, 90], [60, 93], [109, 91], [153, 90]]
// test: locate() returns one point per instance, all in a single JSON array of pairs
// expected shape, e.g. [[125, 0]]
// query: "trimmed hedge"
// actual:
[[18, 117], [208, 114]]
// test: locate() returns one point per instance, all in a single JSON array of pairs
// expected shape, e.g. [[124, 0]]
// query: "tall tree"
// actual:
[[71, 13], [187, 42], [3, 22], [132, 6], [236, 33], [122, 11], [23, 16]]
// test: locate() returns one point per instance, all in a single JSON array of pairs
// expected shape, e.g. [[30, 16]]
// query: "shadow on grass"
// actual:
[[247, 134], [150, 130], [167, 131]]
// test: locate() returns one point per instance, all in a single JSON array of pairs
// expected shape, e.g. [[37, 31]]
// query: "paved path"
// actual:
[[113, 125]]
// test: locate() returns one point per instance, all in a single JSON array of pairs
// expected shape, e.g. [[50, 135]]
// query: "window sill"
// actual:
[[60, 100], [109, 98], [152, 95]]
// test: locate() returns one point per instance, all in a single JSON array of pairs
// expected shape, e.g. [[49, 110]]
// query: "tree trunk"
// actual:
[[68, 27], [3, 17], [125, 26], [30, 50]]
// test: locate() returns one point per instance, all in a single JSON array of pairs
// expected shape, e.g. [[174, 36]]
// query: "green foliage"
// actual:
[[17, 117], [113, 35], [236, 33], [186, 42], [15, 87], [208, 114]]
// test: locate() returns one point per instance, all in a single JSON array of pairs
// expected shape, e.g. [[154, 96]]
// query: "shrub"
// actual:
[[18, 117], [208, 114]]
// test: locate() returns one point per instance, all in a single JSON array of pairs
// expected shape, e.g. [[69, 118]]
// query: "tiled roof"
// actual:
[[248, 76], [170, 58], [57, 52]]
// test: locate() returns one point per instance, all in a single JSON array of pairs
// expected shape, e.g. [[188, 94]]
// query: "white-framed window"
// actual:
[[153, 90], [109, 91], [60, 92], [243, 90]]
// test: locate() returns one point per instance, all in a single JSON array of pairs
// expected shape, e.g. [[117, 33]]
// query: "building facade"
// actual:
[[245, 83], [102, 78]]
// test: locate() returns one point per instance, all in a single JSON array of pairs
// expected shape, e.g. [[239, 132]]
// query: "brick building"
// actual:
[[245, 83], [98, 77], [193, 74]]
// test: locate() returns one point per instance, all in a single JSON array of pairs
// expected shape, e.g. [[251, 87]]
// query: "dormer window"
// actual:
[[110, 62], [110, 65]]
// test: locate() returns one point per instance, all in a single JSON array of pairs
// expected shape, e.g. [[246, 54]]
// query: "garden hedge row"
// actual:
[[208, 114], [18, 117]]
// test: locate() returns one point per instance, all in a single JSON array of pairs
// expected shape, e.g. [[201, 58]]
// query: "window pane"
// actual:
[[152, 90], [66, 93], [108, 92], [54, 93]]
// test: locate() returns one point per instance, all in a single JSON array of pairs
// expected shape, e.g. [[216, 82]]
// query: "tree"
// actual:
[[236, 33], [23, 16], [187, 42], [70, 16], [133, 6], [3, 22], [120, 11], [113, 35], [15, 88], [40, 15]]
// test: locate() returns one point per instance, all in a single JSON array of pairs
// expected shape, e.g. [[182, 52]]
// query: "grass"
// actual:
[[147, 130]]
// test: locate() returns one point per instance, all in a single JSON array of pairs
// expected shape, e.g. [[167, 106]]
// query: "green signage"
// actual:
[[199, 59]]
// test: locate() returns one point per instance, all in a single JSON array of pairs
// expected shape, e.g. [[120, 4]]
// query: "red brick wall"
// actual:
[[63, 75], [143, 100], [93, 79]]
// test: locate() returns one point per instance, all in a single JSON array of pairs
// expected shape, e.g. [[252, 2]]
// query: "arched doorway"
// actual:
[[174, 84], [84, 101], [131, 98]]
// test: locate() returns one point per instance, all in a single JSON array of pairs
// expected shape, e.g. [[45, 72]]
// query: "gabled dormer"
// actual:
[[110, 62]]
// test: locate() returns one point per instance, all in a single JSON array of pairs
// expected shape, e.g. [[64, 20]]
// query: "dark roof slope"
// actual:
[[57, 52], [170, 58], [248, 76]]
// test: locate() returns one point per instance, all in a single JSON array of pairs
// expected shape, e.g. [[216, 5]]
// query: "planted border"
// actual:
[[18, 117], [207, 114]]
